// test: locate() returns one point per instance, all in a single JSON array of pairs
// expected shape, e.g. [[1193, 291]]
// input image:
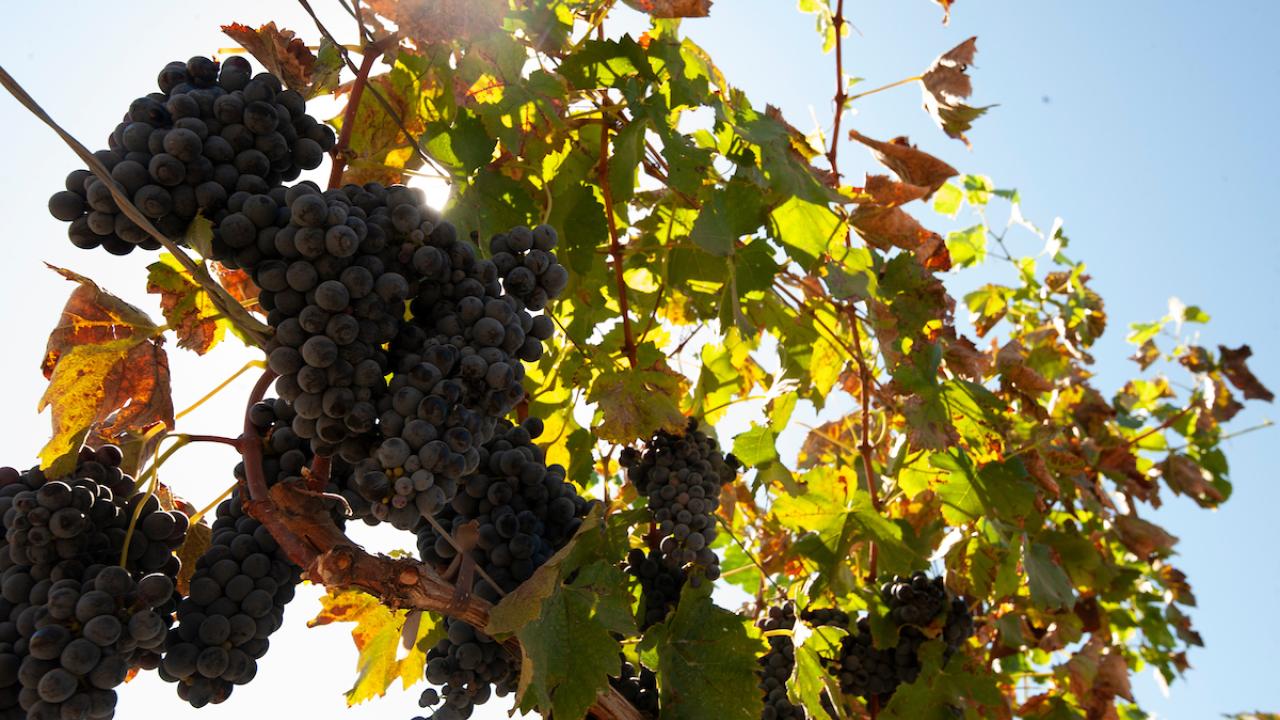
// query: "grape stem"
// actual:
[[221, 386], [230, 308], [371, 53]]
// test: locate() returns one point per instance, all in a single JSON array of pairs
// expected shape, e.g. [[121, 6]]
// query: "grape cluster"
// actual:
[[681, 476], [333, 302], [523, 512], [236, 601], [914, 602], [777, 665], [639, 685], [211, 136], [73, 623], [527, 265], [660, 585], [82, 642], [830, 617], [243, 580]]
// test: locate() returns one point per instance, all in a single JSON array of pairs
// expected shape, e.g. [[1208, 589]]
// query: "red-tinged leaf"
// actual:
[[106, 369], [946, 85], [238, 283], [912, 166], [441, 21], [966, 360], [1039, 472], [1196, 359], [672, 8], [186, 306], [1145, 539], [1233, 362], [377, 634], [1146, 354], [378, 150], [280, 52]]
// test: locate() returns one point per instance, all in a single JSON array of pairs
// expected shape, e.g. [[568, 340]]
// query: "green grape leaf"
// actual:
[[1050, 587], [730, 213], [806, 229], [635, 404], [706, 661]]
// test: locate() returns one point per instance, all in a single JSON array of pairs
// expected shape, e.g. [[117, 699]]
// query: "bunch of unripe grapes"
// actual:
[[212, 134], [681, 476]]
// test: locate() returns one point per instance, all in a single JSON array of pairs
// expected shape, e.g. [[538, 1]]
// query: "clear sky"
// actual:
[[1145, 125]]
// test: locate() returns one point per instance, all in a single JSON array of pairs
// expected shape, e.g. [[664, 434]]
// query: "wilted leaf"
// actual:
[[106, 370], [280, 52], [886, 227], [447, 21], [186, 306], [1186, 477], [909, 164], [377, 636], [635, 404], [239, 285], [193, 546], [1234, 366], [1146, 354], [672, 8], [946, 85], [1145, 539], [884, 191]]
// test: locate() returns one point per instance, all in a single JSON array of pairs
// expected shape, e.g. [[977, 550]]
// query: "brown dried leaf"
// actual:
[[886, 227], [239, 285], [280, 52], [1185, 477], [1146, 355], [827, 442], [106, 370], [672, 8], [887, 192], [1014, 372], [1234, 367], [946, 84], [966, 360], [912, 166], [436, 21], [1196, 359], [1039, 471], [1145, 539]]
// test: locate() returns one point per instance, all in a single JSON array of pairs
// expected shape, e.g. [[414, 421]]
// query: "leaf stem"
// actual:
[[221, 386], [227, 305], [864, 443], [882, 88]]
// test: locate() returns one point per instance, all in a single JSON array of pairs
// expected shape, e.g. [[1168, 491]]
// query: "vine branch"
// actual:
[[339, 152], [227, 305], [615, 246], [864, 442]]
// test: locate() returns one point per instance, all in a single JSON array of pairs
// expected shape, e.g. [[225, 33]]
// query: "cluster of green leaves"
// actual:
[[719, 261]]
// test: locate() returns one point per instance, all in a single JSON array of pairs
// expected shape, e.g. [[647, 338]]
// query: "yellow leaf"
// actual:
[[377, 636]]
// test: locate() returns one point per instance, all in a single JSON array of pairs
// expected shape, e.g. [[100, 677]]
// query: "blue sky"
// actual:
[[1146, 126]]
